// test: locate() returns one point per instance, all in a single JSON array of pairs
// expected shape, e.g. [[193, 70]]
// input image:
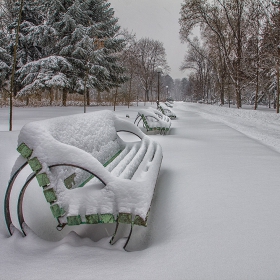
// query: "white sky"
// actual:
[[156, 19]]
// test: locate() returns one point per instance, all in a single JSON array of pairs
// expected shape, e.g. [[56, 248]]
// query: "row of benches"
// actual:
[[155, 119]]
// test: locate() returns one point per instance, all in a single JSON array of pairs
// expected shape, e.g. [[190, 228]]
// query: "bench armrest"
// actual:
[[124, 125]]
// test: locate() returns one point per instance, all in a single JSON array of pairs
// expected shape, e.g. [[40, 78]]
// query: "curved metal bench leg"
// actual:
[[121, 232], [137, 119], [128, 238], [113, 241], [7, 212], [20, 202]]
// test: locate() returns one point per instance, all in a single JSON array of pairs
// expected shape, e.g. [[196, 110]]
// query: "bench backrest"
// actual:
[[93, 133]]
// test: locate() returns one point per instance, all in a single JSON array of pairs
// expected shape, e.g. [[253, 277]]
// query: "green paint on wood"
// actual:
[[111, 159], [74, 220], [106, 218], [50, 195], [125, 218], [139, 221], [35, 164], [92, 219], [57, 211], [42, 179], [105, 164], [24, 150], [69, 182]]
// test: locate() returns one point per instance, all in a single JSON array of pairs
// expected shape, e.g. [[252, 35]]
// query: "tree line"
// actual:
[[74, 47], [238, 55]]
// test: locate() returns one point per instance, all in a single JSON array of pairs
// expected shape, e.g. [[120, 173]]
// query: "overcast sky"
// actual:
[[155, 19]]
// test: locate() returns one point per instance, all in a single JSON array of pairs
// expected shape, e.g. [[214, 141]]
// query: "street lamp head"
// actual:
[[159, 69]]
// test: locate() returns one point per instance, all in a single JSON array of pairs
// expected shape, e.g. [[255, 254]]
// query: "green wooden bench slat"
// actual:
[[42, 179], [24, 150], [107, 218], [105, 164], [74, 220], [70, 181], [50, 195], [139, 221], [35, 164], [125, 218], [92, 219], [57, 211]]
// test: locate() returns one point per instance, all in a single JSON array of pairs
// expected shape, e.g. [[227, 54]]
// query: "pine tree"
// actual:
[[35, 44], [5, 60], [75, 58], [5, 57]]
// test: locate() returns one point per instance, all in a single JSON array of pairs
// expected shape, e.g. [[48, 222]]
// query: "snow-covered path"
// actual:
[[215, 215], [227, 195]]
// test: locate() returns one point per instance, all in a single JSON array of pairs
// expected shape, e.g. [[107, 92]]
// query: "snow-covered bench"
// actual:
[[153, 120], [166, 111], [88, 174], [168, 104]]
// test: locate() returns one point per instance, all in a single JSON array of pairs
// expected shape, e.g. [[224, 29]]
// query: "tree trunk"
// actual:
[[222, 94], [129, 91], [147, 95], [115, 99], [88, 98], [278, 91], [14, 67], [51, 96], [5, 94], [98, 98], [239, 57], [64, 96], [56, 94], [257, 89]]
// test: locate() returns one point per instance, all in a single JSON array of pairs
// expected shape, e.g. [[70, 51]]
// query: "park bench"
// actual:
[[168, 104], [153, 120], [166, 111], [87, 173]]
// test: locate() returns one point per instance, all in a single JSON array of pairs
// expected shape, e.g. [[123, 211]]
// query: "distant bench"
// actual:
[[153, 120], [166, 111], [71, 156]]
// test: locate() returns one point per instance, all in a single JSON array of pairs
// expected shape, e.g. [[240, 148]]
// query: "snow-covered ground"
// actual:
[[215, 214]]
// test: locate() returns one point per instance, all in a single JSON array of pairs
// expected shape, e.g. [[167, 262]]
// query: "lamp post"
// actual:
[[166, 92], [159, 70]]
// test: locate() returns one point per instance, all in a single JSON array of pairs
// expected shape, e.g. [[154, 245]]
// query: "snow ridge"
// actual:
[[258, 125]]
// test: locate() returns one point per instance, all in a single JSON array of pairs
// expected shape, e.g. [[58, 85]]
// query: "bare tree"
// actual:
[[240, 42], [150, 54]]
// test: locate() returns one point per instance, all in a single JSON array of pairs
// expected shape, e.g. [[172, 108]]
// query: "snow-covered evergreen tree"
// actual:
[[106, 66], [35, 44], [5, 57], [88, 40], [78, 28], [5, 60]]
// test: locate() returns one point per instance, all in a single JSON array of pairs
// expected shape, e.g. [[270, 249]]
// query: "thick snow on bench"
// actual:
[[167, 111], [155, 118], [88, 141]]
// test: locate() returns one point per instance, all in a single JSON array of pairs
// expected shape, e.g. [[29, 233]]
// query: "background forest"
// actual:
[[60, 52], [237, 57], [74, 52]]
